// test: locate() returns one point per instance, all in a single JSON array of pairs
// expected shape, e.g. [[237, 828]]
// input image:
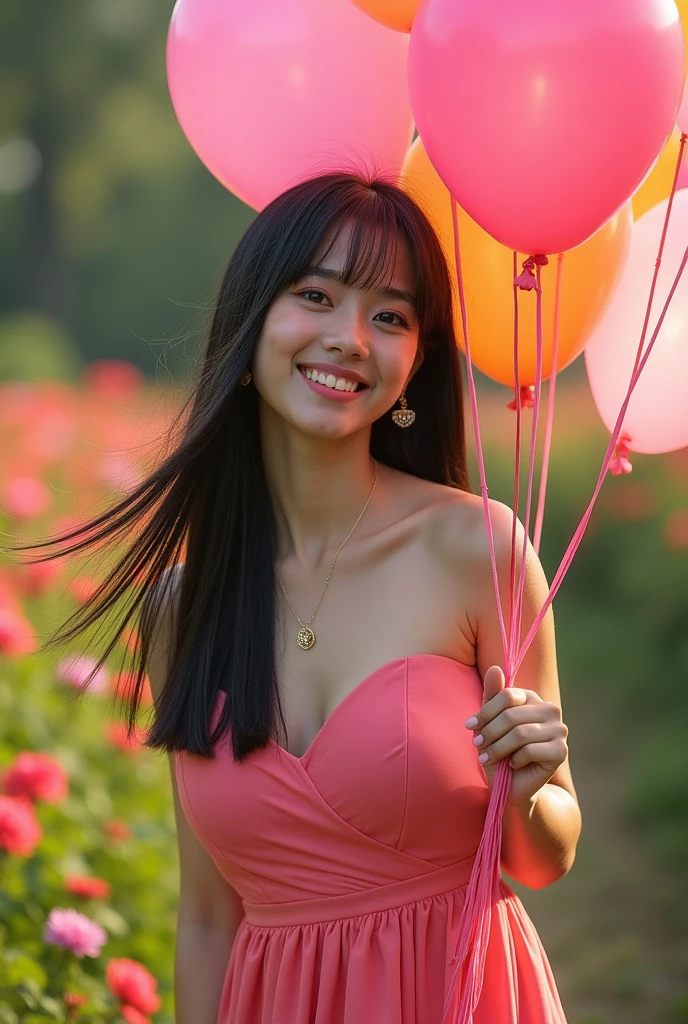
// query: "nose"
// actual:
[[351, 336]]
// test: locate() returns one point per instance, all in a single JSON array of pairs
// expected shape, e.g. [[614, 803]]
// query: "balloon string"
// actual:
[[482, 890], [517, 461], [551, 390], [637, 370]]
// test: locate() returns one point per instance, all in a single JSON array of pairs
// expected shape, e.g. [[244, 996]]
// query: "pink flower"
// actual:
[[133, 985], [36, 777], [26, 497], [17, 636], [20, 832], [87, 886], [133, 1016], [75, 670], [75, 931]]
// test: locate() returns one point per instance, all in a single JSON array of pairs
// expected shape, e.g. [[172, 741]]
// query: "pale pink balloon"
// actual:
[[682, 119], [543, 118], [657, 416], [270, 92]]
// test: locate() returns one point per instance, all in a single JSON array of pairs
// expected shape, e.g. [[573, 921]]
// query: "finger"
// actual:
[[547, 755], [515, 739], [507, 698], [506, 721]]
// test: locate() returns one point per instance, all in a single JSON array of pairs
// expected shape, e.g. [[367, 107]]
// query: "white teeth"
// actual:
[[330, 381]]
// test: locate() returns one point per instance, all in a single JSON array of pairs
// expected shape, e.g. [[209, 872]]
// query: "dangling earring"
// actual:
[[246, 379], [403, 417]]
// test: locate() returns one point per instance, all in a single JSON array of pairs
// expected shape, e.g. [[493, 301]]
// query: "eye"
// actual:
[[387, 312]]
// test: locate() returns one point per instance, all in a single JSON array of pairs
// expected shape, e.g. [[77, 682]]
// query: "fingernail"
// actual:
[[471, 723], [483, 758], [478, 740]]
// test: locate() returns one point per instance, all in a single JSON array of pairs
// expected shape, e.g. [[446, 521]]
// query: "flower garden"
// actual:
[[88, 853]]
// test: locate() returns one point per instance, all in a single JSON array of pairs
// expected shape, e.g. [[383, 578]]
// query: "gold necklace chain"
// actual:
[[305, 636]]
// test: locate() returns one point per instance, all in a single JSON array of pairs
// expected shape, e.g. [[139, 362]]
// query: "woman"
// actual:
[[331, 626]]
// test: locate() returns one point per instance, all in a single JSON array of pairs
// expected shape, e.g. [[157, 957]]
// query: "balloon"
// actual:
[[682, 119], [544, 118], [657, 415], [590, 274], [683, 11], [657, 185], [270, 92], [398, 14]]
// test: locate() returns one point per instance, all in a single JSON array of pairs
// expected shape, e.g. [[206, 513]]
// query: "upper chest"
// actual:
[[395, 596]]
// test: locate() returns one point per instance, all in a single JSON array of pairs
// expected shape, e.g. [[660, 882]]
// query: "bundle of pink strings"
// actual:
[[471, 949]]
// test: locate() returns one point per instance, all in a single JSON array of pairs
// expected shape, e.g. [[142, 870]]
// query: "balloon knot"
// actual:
[[453, 960], [620, 464], [526, 398], [526, 280]]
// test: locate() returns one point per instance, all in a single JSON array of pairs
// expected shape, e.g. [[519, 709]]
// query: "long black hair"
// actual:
[[208, 497]]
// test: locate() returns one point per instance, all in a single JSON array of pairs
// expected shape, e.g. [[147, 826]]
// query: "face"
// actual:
[[363, 334]]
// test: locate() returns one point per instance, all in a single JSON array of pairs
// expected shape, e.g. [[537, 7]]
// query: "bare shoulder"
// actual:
[[157, 623], [459, 532]]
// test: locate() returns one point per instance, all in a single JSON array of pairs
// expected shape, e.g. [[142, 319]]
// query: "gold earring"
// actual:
[[246, 379], [403, 417]]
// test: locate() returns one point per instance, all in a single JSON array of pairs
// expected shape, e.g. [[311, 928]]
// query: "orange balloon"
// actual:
[[590, 273], [398, 14], [657, 185]]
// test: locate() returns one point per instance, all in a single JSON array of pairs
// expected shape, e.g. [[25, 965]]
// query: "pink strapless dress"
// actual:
[[352, 862]]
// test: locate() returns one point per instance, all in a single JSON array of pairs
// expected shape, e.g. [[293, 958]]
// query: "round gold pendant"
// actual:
[[305, 637]]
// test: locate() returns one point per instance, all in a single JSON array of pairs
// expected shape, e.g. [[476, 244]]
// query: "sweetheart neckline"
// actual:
[[376, 672]]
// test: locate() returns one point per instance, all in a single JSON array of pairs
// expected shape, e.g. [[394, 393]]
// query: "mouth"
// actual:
[[329, 384]]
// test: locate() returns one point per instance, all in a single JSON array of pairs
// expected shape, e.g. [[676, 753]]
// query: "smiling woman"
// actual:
[[329, 800]]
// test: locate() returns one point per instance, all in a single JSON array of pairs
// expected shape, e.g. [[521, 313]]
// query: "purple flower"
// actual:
[[75, 670], [74, 931]]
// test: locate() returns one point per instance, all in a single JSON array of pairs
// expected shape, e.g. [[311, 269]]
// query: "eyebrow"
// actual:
[[334, 275]]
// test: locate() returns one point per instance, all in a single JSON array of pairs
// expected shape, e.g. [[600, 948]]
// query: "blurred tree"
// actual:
[[109, 224]]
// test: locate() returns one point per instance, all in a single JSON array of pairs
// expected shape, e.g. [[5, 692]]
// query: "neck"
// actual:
[[318, 487]]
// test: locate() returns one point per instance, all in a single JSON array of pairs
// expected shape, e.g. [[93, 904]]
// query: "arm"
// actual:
[[540, 834], [210, 910]]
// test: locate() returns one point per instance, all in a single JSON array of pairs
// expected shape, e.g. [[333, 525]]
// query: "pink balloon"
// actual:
[[657, 415], [269, 92], [544, 117]]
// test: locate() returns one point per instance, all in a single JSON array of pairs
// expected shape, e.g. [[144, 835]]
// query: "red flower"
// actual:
[[36, 578], [676, 529], [74, 1001], [20, 832], [122, 685], [116, 734], [36, 777], [133, 985], [17, 636], [26, 497], [83, 588], [88, 886], [133, 1016], [116, 829], [114, 378]]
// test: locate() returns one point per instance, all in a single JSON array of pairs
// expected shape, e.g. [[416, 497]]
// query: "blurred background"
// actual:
[[113, 238]]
